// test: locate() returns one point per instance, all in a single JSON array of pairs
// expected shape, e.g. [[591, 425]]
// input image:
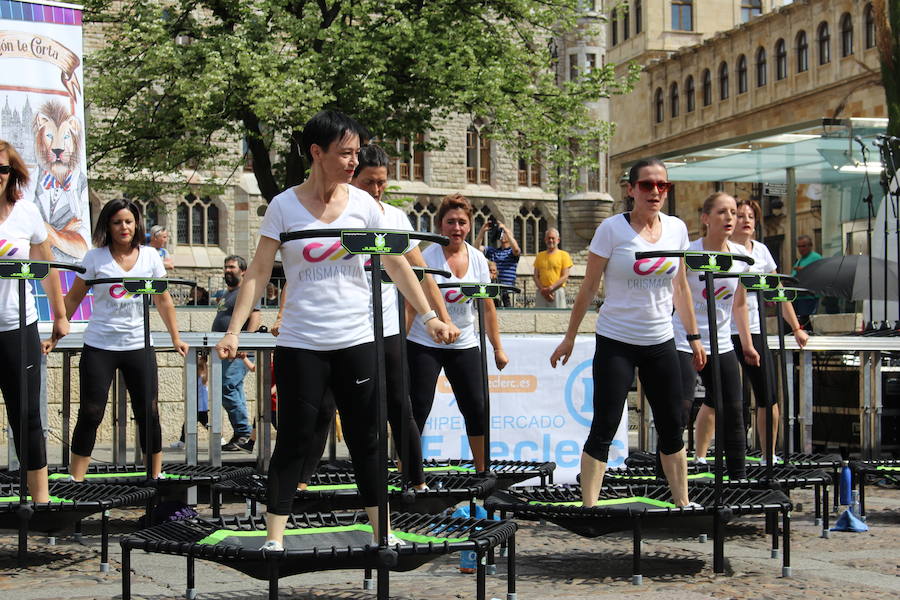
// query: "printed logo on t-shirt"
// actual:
[[317, 252], [8, 248], [722, 293], [118, 291], [455, 296], [654, 273]]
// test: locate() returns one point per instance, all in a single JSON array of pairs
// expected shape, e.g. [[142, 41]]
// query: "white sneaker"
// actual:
[[776, 460], [700, 460], [393, 540], [272, 546], [421, 490], [179, 445], [692, 505]]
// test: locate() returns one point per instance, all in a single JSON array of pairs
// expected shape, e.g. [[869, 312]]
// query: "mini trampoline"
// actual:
[[783, 478], [319, 542], [338, 491], [637, 508], [173, 475], [873, 470], [69, 504], [506, 472]]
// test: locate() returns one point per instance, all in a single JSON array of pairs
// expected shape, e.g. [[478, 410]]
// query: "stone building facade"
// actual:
[[785, 65]]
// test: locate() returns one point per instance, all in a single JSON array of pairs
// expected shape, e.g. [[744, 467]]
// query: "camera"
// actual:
[[492, 222]]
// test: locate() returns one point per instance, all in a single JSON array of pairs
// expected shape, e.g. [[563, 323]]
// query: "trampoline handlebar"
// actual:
[[502, 286], [51, 264], [104, 280], [427, 270], [288, 236], [681, 253]]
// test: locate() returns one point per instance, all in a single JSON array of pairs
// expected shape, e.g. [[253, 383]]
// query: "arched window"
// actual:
[[638, 17], [480, 217], [689, 94], [780, 60], [823, 40], [869, 14], [846, 35], [742, 74], [673, 99], [802, 52], [707, 87], [614, 27], [683, 15], [762, 71], [659, 113], [626, 22], [422, 216], [529, 228], [723, 81], [198, 221], [149, 211]]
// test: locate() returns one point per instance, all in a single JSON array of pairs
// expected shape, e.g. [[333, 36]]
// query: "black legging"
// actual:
[[756, 374], [302, 376], [399, 414], [734, 444], [613, 372], [463, 370], [96, 371], [9, 385]]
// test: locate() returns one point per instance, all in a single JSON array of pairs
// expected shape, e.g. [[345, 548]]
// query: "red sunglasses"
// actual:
[[661, 186]]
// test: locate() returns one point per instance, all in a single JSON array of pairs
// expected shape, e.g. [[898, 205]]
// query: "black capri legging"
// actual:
[[302, 377], [463, 370], [756, 374], [96, 370], [734, 444], [613, 371], [9, 385], [399, 414]]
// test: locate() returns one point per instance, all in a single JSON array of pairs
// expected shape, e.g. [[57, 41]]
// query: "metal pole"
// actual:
[[381, 416], [791, 180], [716, 391], [769, 450], [24, 511], [485, 386]]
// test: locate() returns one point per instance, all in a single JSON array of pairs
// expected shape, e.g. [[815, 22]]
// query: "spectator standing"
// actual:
[[234, 370], [805, 304], [506, 256], [159, 237], [551, 271]]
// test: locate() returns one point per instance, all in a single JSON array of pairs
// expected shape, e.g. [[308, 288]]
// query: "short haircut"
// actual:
[[371, 155], [454, 201], [754, 206], [635, 169], [328, 126], [241, 262], [156, 230], [18, 176], [805, 237], [102, 236]]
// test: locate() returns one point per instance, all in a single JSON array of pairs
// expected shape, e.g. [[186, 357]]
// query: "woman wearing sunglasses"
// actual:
[[719, 216], [634, 327], [24, 235], [748, 214]]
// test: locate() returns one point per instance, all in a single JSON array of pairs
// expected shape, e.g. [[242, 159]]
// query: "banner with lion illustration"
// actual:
[[42, 116]]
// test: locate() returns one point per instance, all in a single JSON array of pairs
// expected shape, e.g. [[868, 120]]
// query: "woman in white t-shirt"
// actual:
[[326, 338], [719, 216], [461, 360], [114, 337], [748, 213], [634, 327], [24, 235]]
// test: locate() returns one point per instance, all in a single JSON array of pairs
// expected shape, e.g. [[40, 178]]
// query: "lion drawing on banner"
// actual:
[[60, 185]]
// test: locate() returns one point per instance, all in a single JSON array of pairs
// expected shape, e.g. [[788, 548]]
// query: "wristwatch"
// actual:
[[693, 336]]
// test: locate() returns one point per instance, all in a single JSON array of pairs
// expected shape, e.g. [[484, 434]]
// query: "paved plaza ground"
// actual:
[[552, 564]]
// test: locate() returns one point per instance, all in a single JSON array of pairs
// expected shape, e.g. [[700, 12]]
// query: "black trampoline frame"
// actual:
[[868, 469], [180, 537], [738, 502]]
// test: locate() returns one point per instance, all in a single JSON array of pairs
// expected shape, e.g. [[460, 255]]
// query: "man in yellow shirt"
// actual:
[[551, 270]]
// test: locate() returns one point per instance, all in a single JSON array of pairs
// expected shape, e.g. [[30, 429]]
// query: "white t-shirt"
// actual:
[[117, 321], [725, 290], [461, 309], [394, 218], [23, 227], [763, 263], [328, 299], [638, 305]]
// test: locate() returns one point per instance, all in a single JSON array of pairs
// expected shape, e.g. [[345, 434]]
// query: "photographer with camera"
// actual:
[[506, 256]]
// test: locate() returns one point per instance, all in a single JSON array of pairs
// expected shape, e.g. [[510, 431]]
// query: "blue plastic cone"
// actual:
[[849, 522]]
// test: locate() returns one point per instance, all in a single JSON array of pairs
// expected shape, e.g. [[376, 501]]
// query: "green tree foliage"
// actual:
[[887, 27], [180, 83]]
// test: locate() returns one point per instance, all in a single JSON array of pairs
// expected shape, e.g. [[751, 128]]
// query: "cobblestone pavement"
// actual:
[[552, 564]]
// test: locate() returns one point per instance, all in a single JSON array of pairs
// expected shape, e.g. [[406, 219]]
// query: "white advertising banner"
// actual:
[[537, 412], [42, 114]]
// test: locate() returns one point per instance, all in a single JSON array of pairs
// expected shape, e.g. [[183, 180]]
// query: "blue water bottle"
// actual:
[[468, 559], [846, 484]]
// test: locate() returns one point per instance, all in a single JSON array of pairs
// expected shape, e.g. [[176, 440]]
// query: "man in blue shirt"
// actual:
[[506, 256]]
